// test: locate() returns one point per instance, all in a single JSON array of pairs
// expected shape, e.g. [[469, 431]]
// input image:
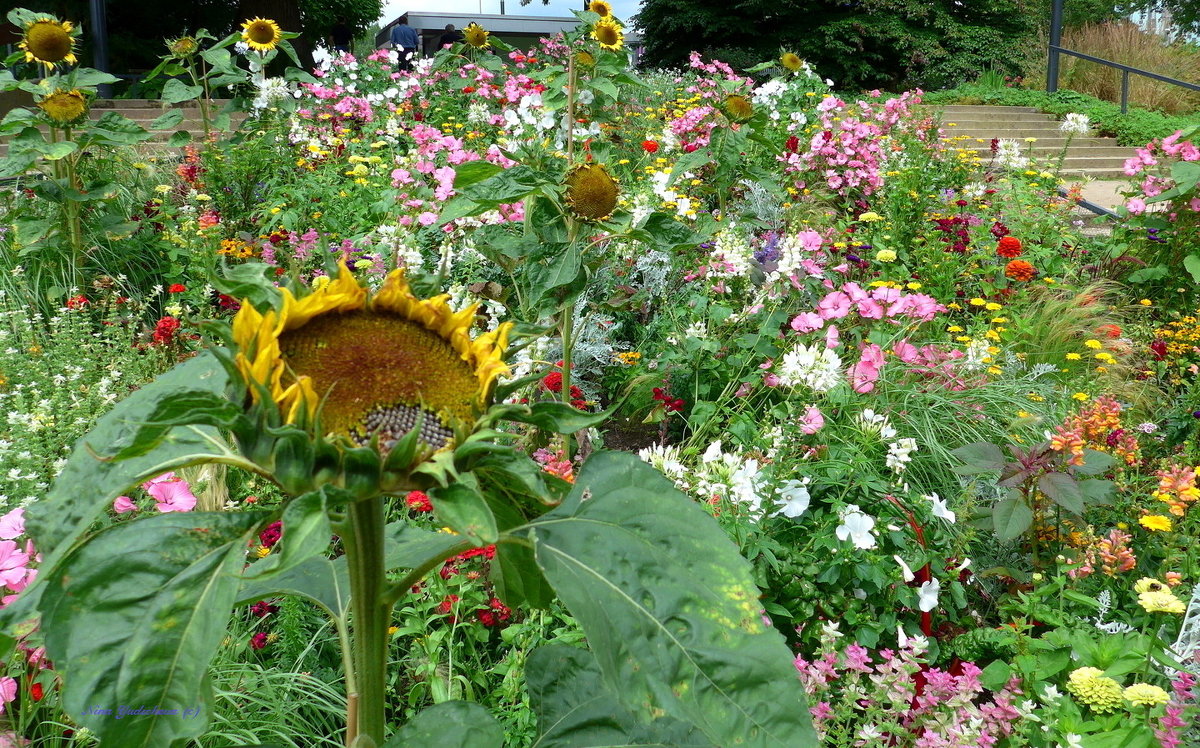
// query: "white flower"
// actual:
[[939, 508], [905, 571], [1008, 155], [899, 454], [870, 732], [1077, 124], [712, 453], [817, 367], [1073, 741], [793, 498], [856, 527], [927, 595], [1051, 695]]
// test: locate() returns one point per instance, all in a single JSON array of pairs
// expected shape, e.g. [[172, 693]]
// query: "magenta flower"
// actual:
[[812, 421], [12, 525], [12, 564], [832, 337], [123, 504], [172, 496], [807, 322], [835, 305], [1136, 206]]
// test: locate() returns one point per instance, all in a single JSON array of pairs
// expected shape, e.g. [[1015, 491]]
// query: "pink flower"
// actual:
[[427, 218], [870, 309], [832, 338], [173, 496], [807, 322], [12, 563], [864, 374], [8, 691], [771, 380], [835, 305], [123, 504], [812, 421], [906, 351], [1136, 206], [12, 525]]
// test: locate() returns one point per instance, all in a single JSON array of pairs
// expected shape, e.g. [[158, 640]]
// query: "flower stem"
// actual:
[[364, 555]]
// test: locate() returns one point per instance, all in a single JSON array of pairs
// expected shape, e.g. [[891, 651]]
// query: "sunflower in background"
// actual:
[[49, 41], [261, 34], [476, 36], [791, 61], [600, 8], [591, 192], [608, 33]]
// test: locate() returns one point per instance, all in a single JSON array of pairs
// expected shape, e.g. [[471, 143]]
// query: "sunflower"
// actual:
[[591, 192], [608, 33], [791, 61], [49, 41], [183, 47], [738, 107], [63, 106], [600, 8], [374, 366], [584, 58], [261, 34], [476, 36]]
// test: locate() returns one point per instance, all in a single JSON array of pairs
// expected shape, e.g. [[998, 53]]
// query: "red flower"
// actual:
[[495, 614], [552, 382], [446, 604], [164, 331], [1019, 270], [36, 691], [1159, 349], [1009, 247], [999, 230], [1111, 331], [177, 288], [649, 146], [418, 501], [77, 302], [262, 608], [792, 144], [258, 641], [468, 89], [228, 302], [271, 534]]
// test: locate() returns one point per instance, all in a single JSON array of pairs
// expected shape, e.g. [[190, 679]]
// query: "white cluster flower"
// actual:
[[723, 474], [666, 461], [1075, 124], [816, 367], [270, 92], [1008, 155], [900, 454], [529, 112], [394, 242], [976, 355], [731, 256], [876, 423]]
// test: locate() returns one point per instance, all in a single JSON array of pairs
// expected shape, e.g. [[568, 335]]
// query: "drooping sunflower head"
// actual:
[[49, 41], [476, 36], [738, 107], [64, 107], [607, 32], [585, 59], [261, 34], [183, 47], [601, 8], [791, 61], [591, 192], [376, 366]]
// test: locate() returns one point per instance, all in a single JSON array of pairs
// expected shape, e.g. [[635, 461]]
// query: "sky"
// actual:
[[623, 9]]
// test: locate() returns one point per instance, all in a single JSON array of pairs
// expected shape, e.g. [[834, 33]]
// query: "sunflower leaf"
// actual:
[[450, 724], [177, 92], [465, 511], [554, 416]]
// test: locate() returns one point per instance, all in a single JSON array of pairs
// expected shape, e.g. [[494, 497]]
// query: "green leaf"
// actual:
[[88, 77], [1097, 491], [517, 578], [1191, 263], [508, 186], [134, 616], [1011, 518], [667, 234], [450, 724], [87, 485], [471, 172], [669, 608], [466, 512], [1094, 462], [981, 457], [408, 547], [576, 709], [306, 534], [325, 582], [179, 139], [554, 416], [1062, 490], [252, 280], [32, 230], [167, 120], [177, 92], [995, 675], [1158, 272], [178, 409]]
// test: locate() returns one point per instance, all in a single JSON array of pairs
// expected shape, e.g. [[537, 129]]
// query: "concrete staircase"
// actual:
[[1087, 157], [145, 111]]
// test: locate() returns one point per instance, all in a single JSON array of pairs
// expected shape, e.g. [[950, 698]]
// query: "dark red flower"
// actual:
[[164, 331], [792, 144], [552, 382], [262, 608], [228, 302], [999, 230], [447, 604], [1159, 349], [271, 534], [258, 641]]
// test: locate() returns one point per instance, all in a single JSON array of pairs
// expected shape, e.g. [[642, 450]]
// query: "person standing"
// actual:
[[341, 35], [405, 40], [452, 36]]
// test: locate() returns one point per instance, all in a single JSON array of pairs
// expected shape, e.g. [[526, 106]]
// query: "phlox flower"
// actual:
[[807, 322], [12, 563], [8, 691], [1136, 206]]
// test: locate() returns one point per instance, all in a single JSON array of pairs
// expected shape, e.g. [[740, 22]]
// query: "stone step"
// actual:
[[1047, 129], [957, 109], [1093, 173], [1075, 151], [149, 104]]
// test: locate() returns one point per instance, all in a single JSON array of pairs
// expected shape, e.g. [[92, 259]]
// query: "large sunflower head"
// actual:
[[64, 107], [791, 61], [607, 32], [49, 41], [591, 192], [601, 8], [476, 36], [261, 34], [373, 366], [738, 107]]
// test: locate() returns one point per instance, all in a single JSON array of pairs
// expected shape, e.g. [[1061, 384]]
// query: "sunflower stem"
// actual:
[[567, 331], [364, 556]]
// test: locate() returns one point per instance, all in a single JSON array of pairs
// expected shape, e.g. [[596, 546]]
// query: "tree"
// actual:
[[860, 44]]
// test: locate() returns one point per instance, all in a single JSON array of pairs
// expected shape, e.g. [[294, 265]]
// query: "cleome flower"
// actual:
[[369, 368]]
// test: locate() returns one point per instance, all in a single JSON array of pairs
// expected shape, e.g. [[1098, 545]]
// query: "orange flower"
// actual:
[[1009, 247], [1019, 270], [1111, 331]]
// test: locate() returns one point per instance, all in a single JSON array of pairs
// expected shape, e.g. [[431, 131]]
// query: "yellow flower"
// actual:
[[1093, 344], [600, 8], [261, 34], [738, 107], [607, 33], [1148, 584], [476, 36], [1146, 302], [977, 302], [1090, 686], [591, 192], [49, 41], [791, 61], [63, 106], [1156, 522], [885, 255], [992, 306], [1144, 694], [183, 47], [1073, 357], [374, 367], [1160, 602], [870, 217], [1080, 396]]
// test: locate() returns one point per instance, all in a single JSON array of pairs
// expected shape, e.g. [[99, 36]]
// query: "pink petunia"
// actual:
[[12, 525], [123, 504], [1136, 206], [12, 563], [906, 351], [832, 337], [8, 691], [870, 309], [173, 496], [864, 374]]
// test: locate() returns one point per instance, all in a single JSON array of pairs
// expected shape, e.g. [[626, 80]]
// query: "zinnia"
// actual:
[[1009, 247], [1019, 270]]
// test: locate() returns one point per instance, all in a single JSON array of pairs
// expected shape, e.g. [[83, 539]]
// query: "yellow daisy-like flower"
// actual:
[[261, 34], [1093, 344], [1161, 602], [591, 192], [64, 107], [476, 36], [608, 33], [49, 41], [1148, 584], [600, 8], [738, 107], [374, 366], [791, 61], [1073, 357], [1090, 686], [1145, 694], [1156, 523]]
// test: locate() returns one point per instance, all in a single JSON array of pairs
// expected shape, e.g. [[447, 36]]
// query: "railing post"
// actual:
[[1056, 14], [1124, 91]]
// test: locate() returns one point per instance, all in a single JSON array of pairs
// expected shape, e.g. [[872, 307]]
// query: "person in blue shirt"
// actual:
[[405, 40]]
